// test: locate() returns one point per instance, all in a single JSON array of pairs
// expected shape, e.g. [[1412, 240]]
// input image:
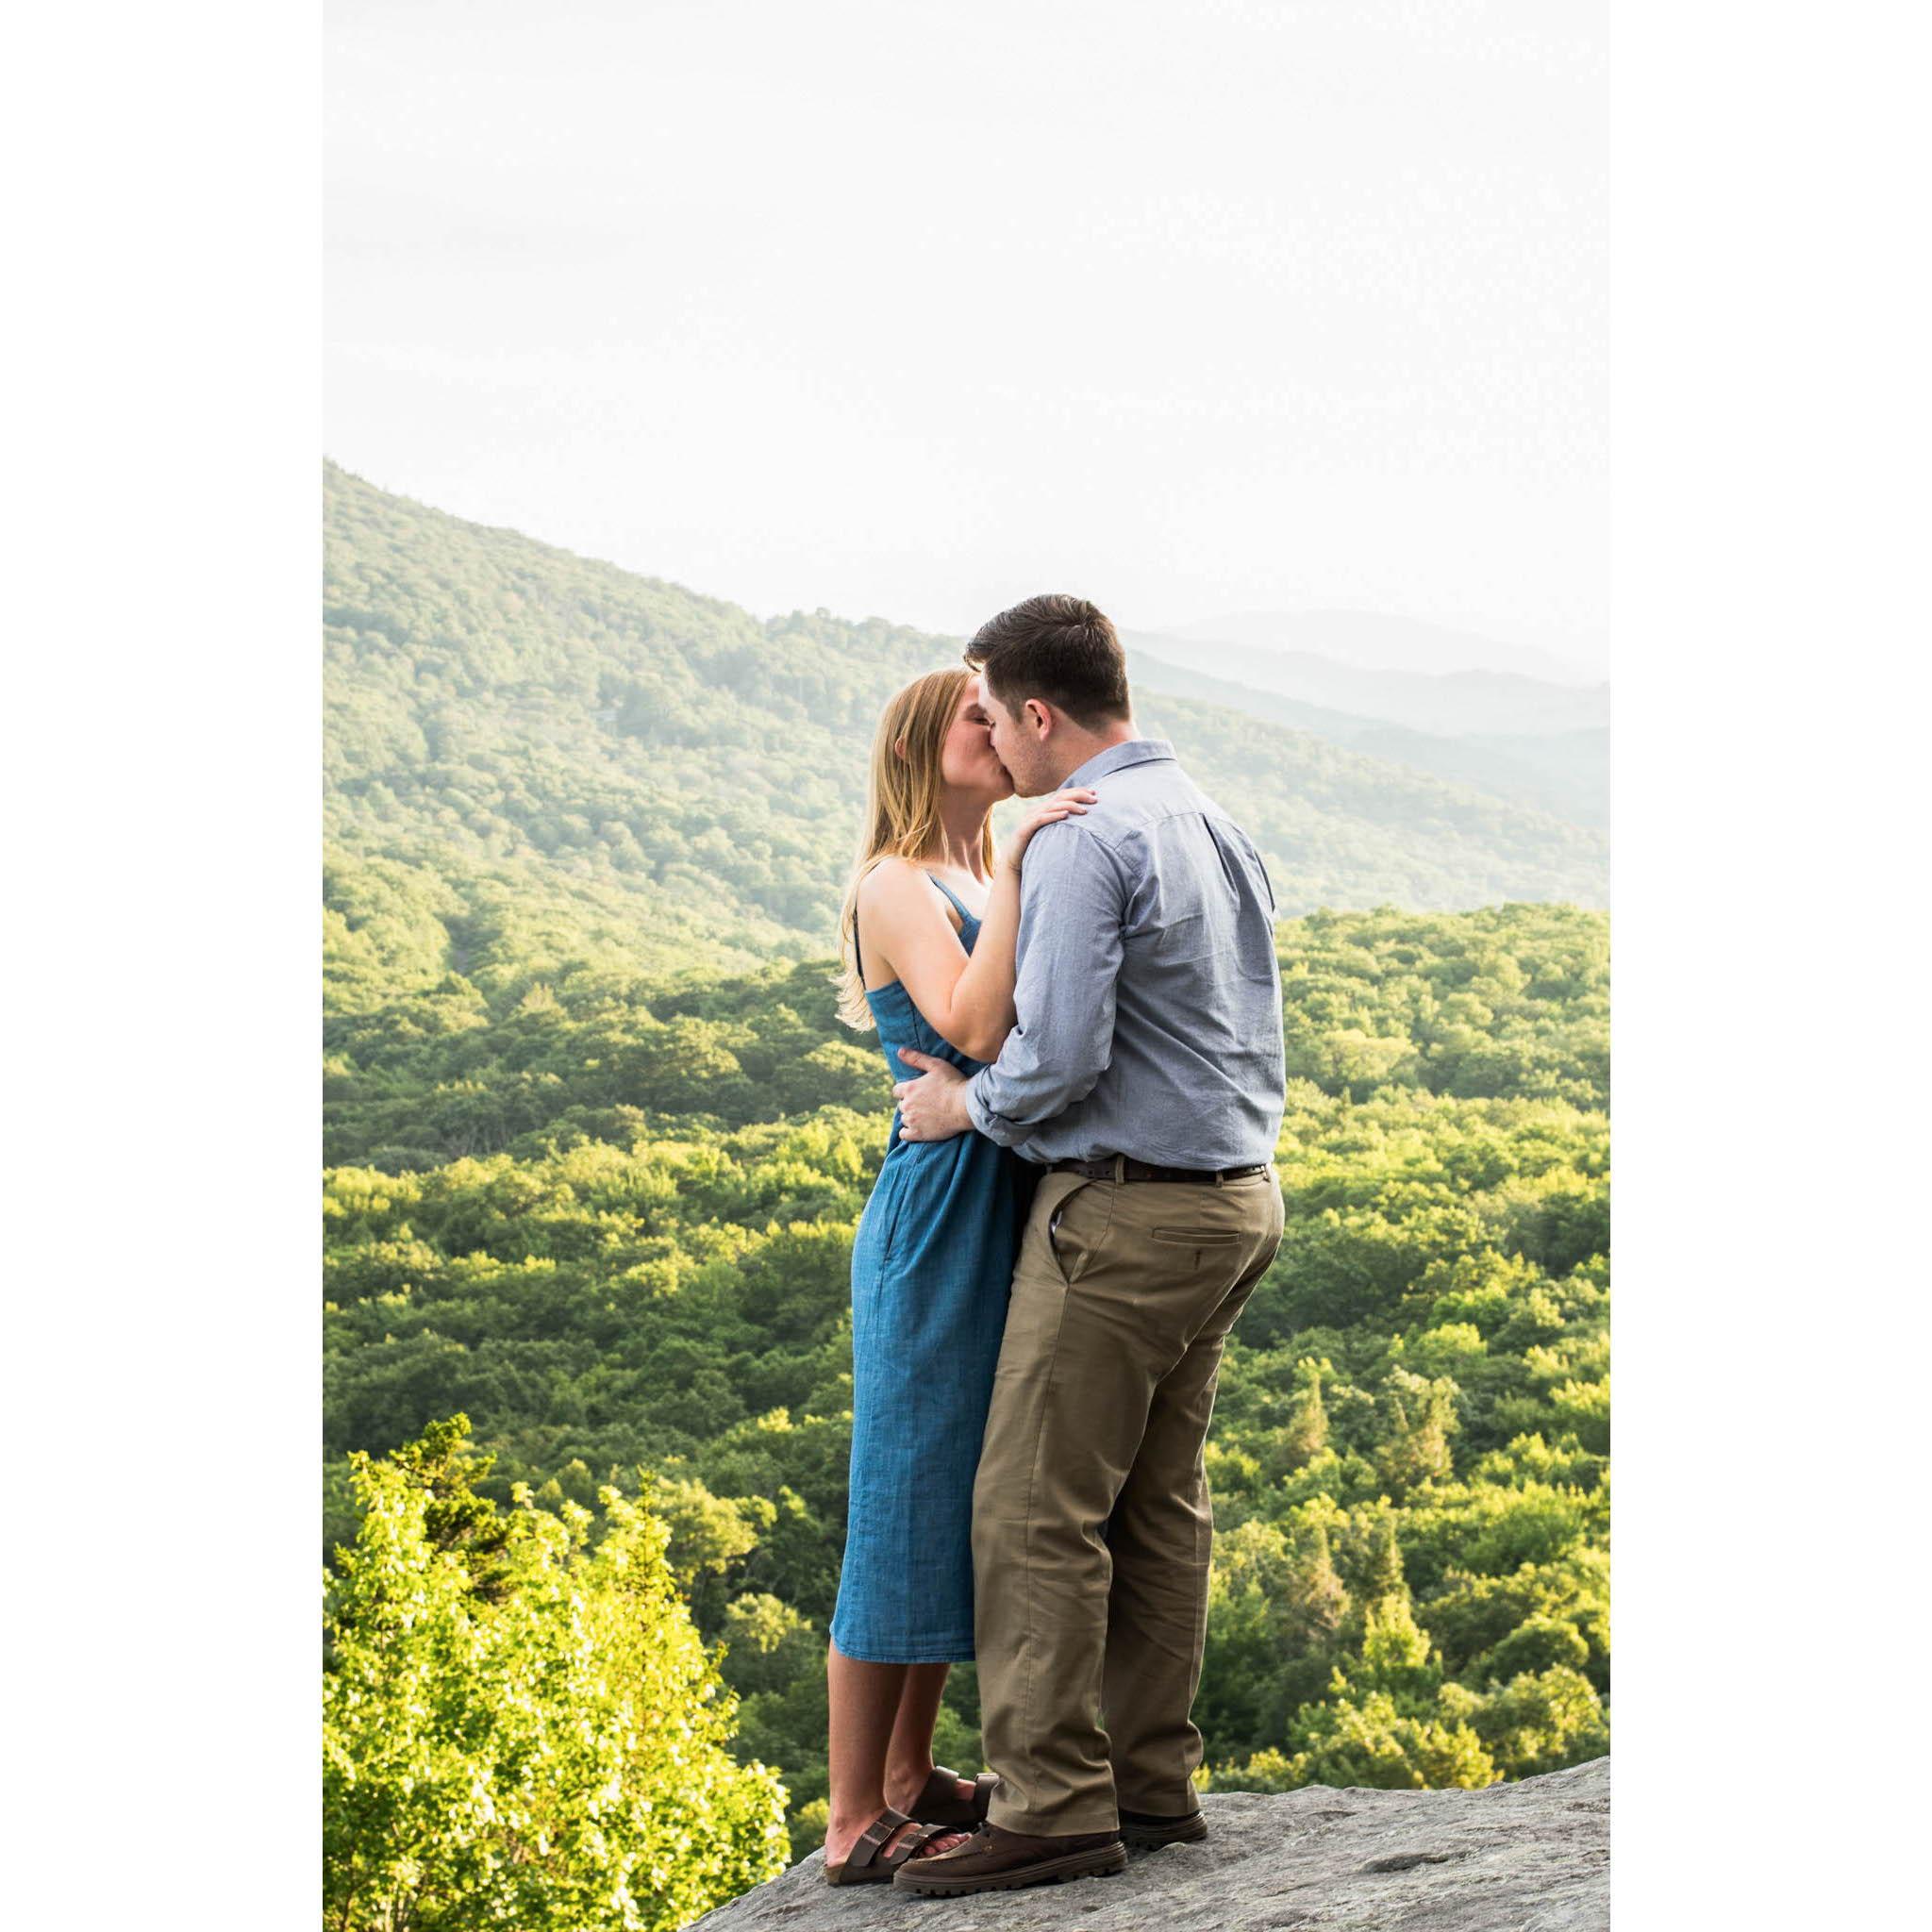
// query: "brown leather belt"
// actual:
[[1117, 1167]]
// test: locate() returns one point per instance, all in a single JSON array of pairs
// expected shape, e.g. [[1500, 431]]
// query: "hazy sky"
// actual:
[[912, 309]]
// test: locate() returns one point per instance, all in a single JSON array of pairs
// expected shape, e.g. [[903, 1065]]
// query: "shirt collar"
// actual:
[[1132, 751]]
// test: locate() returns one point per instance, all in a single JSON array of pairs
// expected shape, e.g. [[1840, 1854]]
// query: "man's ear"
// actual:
[[1043, 727]]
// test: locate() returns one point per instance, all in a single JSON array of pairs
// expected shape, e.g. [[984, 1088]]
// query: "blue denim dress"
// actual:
[[932, 1267]]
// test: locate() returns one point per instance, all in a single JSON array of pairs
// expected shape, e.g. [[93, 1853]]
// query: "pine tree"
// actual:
[[1382, 1575], [1421, 1419], [1306, 1434], [1318, 1599]]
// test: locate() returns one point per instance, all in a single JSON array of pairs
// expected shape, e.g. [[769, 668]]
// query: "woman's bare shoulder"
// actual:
[[896, 902], [890, 881]]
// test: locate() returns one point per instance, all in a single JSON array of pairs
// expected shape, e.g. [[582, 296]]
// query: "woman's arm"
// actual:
[[982, 1010], [967, 998]]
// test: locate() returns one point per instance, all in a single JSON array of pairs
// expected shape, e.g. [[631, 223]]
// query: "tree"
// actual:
[[1422, 1417], [1533, 1724], [1306, 1432], [1367, 1741], [1317, 1599], [767, 1644], [1382, 1575], [551, 1753]]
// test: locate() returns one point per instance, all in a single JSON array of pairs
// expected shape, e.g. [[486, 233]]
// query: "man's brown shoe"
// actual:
[[994, 1859], [1147, 1831]]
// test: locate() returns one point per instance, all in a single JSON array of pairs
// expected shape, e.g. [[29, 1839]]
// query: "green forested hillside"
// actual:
[[523, 733], [611, 1223]]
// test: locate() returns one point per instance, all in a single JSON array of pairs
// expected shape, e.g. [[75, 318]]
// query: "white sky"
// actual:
[[912, 309]]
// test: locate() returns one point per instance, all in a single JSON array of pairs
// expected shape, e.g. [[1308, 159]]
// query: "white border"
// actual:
[[1768, 1046], [163, 483], [161, 798]]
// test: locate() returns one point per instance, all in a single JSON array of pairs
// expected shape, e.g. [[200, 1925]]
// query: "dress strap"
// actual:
[[954, 896], [858, 958]]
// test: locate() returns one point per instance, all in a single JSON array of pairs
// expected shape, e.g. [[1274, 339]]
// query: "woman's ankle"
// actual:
[[905, 1782], [847, 1824]]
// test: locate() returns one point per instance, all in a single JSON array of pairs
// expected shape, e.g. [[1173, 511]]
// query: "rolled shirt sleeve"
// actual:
[[1073, 908]]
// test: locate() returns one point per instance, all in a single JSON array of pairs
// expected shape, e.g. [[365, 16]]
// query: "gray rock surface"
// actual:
[[1532, 1857]]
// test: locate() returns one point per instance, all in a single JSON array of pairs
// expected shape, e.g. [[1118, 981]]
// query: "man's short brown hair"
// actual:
[[1059, 649]]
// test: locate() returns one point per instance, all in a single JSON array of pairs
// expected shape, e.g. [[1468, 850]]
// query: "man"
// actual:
[[1146, 1073]]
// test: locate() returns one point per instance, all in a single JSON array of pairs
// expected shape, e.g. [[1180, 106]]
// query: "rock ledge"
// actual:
[[1531, 1856]]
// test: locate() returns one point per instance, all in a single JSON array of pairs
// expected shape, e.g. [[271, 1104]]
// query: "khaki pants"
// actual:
[[1091, 1521]]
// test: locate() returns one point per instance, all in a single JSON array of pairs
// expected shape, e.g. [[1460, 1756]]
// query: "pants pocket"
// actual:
[[1196, 1238], [1070, 1251]]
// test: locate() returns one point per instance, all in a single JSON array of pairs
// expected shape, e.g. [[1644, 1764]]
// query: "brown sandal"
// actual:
[[940, 1803], [869, 1862]]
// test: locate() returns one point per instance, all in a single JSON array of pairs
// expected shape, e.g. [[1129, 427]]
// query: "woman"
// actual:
[[929, 924]]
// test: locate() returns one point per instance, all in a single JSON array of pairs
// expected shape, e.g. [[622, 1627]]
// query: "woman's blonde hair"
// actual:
[[902, 807]]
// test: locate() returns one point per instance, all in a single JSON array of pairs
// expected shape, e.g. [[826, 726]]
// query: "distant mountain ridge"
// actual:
[[1377, 641], [1450, 703], [1566, 771], [504, 717]]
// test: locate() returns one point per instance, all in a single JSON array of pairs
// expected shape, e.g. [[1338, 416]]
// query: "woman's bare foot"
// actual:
[[841, 1834]]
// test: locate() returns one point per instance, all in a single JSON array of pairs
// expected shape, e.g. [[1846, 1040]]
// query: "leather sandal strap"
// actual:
[[942, 1789], [874, 1837], [908, 1846]]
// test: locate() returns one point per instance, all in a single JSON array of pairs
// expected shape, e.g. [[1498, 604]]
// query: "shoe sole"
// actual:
[[1107, 1864], [1150, 1838]]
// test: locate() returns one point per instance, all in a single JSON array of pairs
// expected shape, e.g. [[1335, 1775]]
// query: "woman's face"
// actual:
[[967, 762]]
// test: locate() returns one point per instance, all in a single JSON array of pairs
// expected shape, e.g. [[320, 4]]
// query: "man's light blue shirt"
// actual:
[[1148, 994]]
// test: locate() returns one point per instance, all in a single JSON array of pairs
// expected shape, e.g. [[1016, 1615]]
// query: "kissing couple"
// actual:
[[1077, 1198]]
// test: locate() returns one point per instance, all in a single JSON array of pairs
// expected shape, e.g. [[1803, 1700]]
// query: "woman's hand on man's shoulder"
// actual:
[[1071, 803]]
